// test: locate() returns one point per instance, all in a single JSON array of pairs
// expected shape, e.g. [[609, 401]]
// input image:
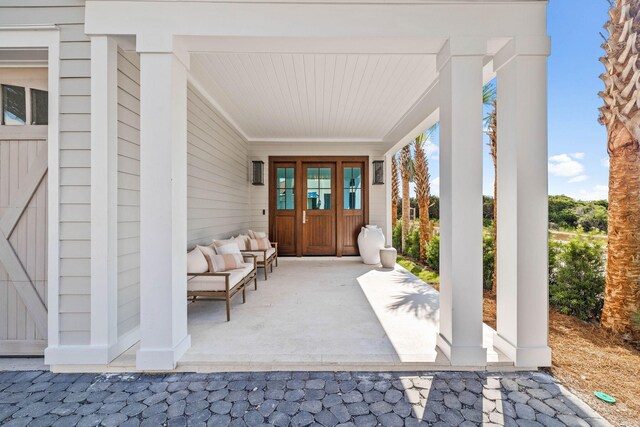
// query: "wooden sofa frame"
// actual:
[[229, 293], [267, 262]]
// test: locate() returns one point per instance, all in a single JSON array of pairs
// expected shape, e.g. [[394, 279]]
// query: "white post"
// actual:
[[163, 211], [104, 195], [522, 314], [460, 67], [388, 183]]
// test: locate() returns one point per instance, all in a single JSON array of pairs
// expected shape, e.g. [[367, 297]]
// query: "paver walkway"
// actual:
[[38, 398]]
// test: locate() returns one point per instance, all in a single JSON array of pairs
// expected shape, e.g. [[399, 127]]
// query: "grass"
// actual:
[[420, 272]]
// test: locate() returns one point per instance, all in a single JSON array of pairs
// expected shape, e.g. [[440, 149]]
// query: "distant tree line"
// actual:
[[564, 212]]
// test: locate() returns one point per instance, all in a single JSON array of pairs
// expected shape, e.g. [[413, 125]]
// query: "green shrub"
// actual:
[[576, 283], [396, 236], [433, 254], [487, 260], [413, 241]]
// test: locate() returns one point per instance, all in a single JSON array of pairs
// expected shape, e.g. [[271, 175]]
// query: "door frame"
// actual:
[[47, 37], [298, 161]]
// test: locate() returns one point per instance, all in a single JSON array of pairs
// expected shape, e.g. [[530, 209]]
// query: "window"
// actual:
[[352, 188], [39, 107], [285, 187], [319, 188], [14, 105]]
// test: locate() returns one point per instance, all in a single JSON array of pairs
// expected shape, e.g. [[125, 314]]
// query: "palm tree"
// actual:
[[406, 172], [621, 116], [491, 125], [422, 189], [395, 187]]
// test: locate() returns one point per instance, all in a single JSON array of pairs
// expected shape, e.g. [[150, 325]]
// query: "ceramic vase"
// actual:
[[370, 241]]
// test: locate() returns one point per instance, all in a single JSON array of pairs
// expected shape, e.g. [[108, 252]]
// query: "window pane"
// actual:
[[312, 178], [313, 201], [290, 200], [290, 176], [357, 177], [352, 199], [324, 198], [14, 105], [347, 177], [282, 201], [39, 107], [325, 177]]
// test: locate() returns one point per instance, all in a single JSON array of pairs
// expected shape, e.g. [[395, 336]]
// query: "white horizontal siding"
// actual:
[[128, 192], [75, 143], [217, 193]]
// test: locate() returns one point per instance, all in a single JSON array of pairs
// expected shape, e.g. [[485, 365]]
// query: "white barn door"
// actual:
[[23, 213]]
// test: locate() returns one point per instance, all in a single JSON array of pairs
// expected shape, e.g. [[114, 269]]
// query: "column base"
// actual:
[[462, 356], [523, 357], [161, 359]]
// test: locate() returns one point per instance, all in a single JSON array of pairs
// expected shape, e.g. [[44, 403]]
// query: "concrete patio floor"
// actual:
[[319, 314]]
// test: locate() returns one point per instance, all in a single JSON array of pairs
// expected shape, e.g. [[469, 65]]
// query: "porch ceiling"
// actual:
[[314, 96]]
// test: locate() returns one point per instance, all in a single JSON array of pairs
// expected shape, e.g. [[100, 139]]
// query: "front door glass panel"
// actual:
[[285, 184], [352, 188], [318, 188]]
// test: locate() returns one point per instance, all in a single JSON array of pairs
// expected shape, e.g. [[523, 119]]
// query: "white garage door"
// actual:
[[23, 211]]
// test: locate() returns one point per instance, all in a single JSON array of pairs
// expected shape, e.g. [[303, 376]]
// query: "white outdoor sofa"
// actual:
[[265, 258], [219, 286]]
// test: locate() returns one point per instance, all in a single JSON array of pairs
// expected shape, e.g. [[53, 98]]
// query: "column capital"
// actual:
[[522, 46], [157, 43], [461, 46]]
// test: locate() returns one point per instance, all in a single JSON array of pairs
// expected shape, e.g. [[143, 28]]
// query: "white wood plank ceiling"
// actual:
[[313, 97]]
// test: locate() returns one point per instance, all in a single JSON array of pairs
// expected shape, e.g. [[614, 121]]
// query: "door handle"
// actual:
[[304, 217]]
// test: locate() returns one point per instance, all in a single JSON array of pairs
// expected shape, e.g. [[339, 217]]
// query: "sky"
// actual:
[[578, 160]]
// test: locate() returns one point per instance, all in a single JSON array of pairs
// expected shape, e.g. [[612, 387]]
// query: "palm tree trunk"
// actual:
[[406, 206], [394, 190], [622, 294], [493, 143], [421, 179], [621, 115]]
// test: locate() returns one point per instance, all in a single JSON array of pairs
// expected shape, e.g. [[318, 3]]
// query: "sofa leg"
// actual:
[[255, 281], [276, 260], [271, 266], [244, 296], [265, 272], [228, 308]]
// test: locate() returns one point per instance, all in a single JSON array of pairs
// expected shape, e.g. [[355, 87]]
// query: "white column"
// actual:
[[387, 199], [104, 196], [522, 314], [460, 337], [163, 211]]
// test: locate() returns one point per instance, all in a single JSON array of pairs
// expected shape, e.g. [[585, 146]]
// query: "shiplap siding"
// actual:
[[74, 141], [128, 192], [218, 188], [259, 195]]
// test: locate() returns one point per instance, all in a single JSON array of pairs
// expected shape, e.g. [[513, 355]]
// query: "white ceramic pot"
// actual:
[[370, 241]]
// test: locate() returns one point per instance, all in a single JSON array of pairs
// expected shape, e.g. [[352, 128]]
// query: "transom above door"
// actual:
[[317, 205]]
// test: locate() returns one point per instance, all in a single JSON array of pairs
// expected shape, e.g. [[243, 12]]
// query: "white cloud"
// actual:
[[435, 186], [597, 192], [578, 178], [578, 155], [432, 150], [605, 162], [565, 165]]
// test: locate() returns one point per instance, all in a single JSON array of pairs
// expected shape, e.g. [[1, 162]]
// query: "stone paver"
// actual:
[[290, 399]]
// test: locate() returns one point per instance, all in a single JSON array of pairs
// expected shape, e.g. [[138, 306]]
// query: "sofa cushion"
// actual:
[[260, 254], [196, 262], [225, 262], [208, 252], [216, 283], [241, 240]]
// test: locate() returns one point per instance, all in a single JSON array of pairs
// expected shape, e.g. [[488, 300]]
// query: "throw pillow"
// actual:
[[208, 252], [226, 262], [257, 234], [231, 248], [196, 262], [259, 244]]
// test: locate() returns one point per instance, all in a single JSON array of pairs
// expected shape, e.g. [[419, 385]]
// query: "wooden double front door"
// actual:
[[317, 205]]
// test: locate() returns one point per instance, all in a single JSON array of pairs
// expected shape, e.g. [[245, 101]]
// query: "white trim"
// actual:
[[104, 194], [74, 355], [30, 36], [124, 343]]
